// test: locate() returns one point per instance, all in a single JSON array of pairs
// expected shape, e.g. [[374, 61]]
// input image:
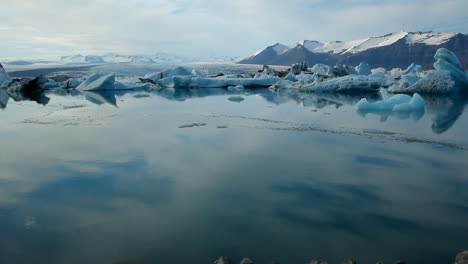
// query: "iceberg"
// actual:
[[220, 82], [98, 82], [177, 71], [395, 103], [363, 69], [448, 76], [323, 70], [413, 68], [347, 84], [343, 70], [379, 70], [5, 78], [297, 68]]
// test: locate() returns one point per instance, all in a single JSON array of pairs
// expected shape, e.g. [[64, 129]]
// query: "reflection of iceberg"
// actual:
[[220, 82], [4, 97], [318, 101], [183, 94], [100, 97], [446, 110], [37, 96]]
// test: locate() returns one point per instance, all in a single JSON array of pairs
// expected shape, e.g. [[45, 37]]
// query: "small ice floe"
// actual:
[[395, 103], [236, 99], [193, 125]]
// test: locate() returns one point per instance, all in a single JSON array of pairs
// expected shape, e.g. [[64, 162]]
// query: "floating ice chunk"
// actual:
[[379, 71], [98, 82], [396, 103], [322, 69], [363, 69], [416, 104], [346, 84], [448, 76], [5, 78], [220, 82], [236, 99]]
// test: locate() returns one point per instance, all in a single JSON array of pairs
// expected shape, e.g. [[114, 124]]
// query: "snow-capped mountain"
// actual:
[[139, 59], [391, 50]]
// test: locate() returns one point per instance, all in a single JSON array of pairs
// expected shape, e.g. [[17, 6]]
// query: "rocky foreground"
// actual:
[[461, 258]]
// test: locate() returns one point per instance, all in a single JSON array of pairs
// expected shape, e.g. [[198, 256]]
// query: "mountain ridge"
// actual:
[[391, 50]]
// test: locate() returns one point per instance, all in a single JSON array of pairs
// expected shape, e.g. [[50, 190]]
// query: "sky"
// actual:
[[46, 28]]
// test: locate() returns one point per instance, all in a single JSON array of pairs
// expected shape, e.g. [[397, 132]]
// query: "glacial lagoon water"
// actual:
[[186, 176]]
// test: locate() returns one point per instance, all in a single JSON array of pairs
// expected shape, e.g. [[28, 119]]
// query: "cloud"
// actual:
[[208, 27]]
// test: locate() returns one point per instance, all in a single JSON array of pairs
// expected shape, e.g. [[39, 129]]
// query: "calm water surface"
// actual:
[[187, 176]]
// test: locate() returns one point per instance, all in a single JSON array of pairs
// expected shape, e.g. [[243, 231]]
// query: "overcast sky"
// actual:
[[42, 28]]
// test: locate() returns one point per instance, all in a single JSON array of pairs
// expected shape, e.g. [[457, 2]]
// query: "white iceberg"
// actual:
[[219, 82], [379, 70], [448, 76], [98, 82], [5, 78], [395, 103], [347, 84]]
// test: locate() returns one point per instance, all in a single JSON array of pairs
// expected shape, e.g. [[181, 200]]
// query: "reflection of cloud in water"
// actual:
[[108, 180]]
